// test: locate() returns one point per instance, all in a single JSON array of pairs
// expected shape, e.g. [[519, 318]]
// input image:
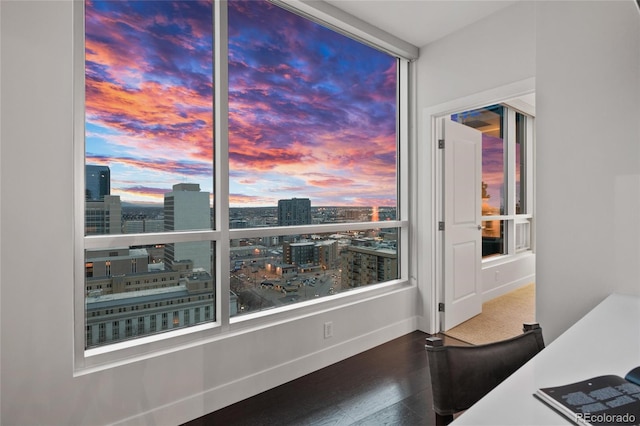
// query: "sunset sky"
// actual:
[[493, 170], [488, 120], [311, 112]]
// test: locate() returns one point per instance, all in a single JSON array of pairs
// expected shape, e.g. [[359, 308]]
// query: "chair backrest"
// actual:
[[461, 375]]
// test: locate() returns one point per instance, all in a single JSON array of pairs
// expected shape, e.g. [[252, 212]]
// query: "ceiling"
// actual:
[[420, 22]]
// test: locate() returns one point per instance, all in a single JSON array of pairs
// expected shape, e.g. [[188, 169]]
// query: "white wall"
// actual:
[[584, 56], [486, 62], [36, 173], [491, 53], [588, 142], [500, 277]]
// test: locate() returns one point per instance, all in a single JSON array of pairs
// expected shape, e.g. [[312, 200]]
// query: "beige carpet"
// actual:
[[500, 319]]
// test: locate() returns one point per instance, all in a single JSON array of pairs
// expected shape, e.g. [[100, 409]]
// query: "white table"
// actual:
[[605, 341]]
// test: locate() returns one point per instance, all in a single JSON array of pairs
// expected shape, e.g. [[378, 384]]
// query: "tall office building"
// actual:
[[97, 182], [139, 226], [104, 216], [187, 208], [103, 212], [296, 211]]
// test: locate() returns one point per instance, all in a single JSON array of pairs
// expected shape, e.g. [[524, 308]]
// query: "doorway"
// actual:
[[503, 197]]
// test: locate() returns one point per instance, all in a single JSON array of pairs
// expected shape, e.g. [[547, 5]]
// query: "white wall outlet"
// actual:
[[328, 329]]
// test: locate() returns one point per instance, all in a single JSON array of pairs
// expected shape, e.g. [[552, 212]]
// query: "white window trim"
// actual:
[[221, 158], [338, 20], [112, 355], [510, 217]]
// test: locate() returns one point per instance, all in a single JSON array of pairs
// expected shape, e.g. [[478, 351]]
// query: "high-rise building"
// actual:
[[238, 224], [296, 211], [187, 208], [103, 212], [139, 226], [97, 182], [103, 216]]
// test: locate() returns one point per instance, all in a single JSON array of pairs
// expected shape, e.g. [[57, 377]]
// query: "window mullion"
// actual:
[[530, 188], [510, 162], [403, 164], [94, 242], [221, 158], [79, 182], [510, 180], [529, 161], [332, 17]]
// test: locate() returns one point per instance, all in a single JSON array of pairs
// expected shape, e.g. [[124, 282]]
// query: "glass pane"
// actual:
[[275, 271], [312, 119], [493, 237], [521, 155], [523, 235], [138, 291], [490, 121], [300, 212], [149, 114]]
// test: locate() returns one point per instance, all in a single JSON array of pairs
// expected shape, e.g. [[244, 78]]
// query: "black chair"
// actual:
[[461, 375]]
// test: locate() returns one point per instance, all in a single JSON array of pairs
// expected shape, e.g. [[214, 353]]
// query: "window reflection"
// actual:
[[489, 120], [492, 237]]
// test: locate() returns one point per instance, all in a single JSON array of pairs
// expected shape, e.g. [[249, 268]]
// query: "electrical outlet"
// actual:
[[328, 329]]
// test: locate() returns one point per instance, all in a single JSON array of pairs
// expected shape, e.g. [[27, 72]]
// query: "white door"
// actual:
[[462, 237]]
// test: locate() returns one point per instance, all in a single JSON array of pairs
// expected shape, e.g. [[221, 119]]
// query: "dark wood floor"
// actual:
[[387, 385]]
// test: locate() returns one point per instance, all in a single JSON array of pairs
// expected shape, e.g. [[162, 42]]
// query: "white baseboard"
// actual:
[[506, 288], [213, 399]]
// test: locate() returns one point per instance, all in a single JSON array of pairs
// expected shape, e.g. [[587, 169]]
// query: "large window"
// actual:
[[148, 163], [506, 189], [312, 141], [304, 207]]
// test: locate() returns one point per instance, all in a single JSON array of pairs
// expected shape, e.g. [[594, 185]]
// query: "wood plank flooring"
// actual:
[[387, 385]]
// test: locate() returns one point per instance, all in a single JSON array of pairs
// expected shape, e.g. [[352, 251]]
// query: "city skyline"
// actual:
[[311, 113]]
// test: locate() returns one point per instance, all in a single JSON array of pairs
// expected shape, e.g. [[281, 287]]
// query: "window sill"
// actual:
[[499, 260], [122, 353]]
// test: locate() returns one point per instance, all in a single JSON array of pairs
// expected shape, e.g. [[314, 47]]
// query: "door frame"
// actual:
[[430, 199]]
